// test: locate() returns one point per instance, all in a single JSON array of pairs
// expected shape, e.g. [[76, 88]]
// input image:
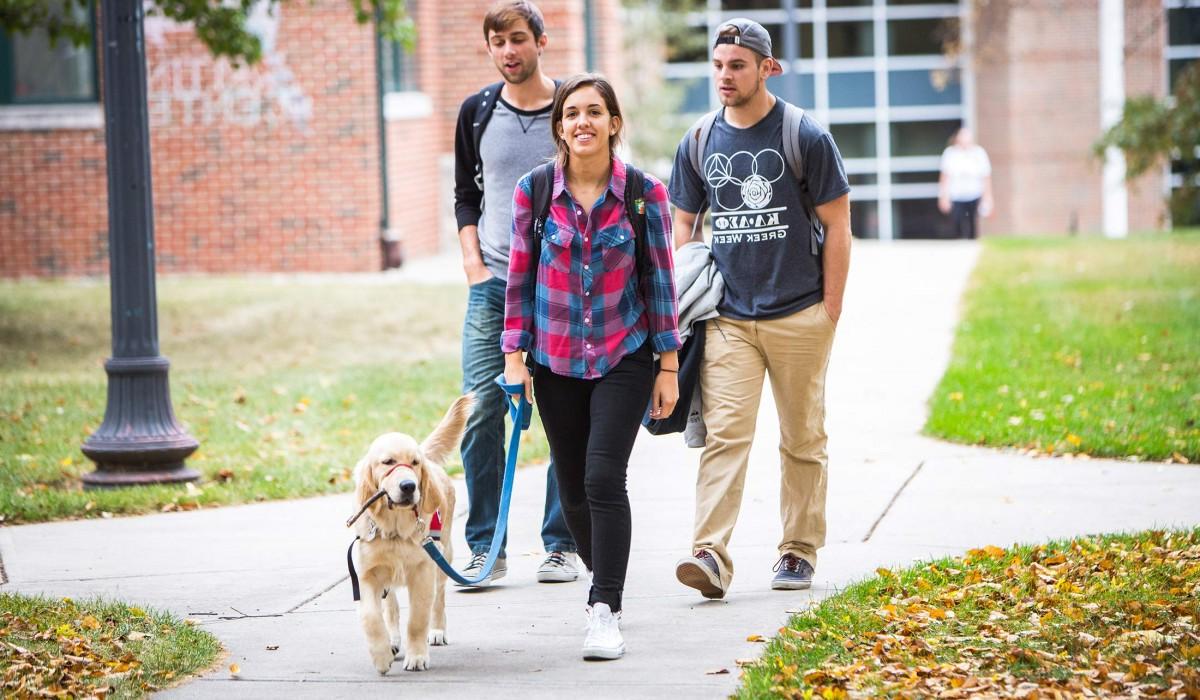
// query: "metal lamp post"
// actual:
[[140, 441]]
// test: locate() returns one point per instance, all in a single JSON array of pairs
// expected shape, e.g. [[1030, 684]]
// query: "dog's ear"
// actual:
[[431, 495], [365, 485], [444, 438]]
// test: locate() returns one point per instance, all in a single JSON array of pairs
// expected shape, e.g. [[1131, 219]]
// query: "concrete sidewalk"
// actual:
[[274, 574]]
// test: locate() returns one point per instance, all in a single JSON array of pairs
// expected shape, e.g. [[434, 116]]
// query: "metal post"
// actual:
[[589, 36], [791, 54], [140, 441]]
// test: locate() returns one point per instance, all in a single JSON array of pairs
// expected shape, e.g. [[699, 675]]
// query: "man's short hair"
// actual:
[[505, 14]]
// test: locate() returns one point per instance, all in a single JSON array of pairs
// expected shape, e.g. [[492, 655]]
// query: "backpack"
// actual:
[[791, 153], [484, 106]]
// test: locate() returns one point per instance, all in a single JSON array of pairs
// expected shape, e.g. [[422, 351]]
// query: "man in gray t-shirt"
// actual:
[[503, 132], [783, 297]]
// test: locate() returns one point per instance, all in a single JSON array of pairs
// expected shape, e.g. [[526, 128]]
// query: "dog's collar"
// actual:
[[373, 529]]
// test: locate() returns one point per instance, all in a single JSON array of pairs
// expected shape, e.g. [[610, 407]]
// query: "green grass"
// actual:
[[94, 648], [1079, 346], [1104, 615], [284, 381]]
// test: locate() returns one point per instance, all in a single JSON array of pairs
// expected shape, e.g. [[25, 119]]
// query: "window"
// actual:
[[1175, 69], [909, 88], [923, 176], [922, 138], [854, 140], [920, 37], [35, 72], [796, 88], [864, 218], [760, 4], [850, 39], [695, 93], [852, 89], [1183, 26], [398, 66]]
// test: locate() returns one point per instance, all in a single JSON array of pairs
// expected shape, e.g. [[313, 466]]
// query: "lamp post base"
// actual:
[[139, 442]]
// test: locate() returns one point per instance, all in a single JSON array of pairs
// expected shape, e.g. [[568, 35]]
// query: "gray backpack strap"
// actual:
[[791, 153], [791, 138], [697, 139]]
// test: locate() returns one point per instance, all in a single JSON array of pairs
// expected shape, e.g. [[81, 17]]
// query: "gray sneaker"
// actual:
[[475, 567], [700, 572], [792, 574], [559, 567]]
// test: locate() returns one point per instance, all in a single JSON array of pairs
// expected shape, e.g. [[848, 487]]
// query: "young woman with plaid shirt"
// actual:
[[589, 326]]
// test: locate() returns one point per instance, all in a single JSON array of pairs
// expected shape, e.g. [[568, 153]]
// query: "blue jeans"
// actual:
[[483, 442]]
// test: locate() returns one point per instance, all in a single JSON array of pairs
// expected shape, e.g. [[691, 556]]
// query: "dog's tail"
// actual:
[[445, 437]]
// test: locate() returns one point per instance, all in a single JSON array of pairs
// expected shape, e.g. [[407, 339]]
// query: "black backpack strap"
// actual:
[[485, 104], [635, 209], [541, 185]]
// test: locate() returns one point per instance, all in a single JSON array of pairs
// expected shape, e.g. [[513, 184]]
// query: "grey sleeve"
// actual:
[[824, 172], [687, 190]]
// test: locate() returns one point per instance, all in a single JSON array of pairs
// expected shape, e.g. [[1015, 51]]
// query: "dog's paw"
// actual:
[[437, 638], [416, 662], [382, 657]]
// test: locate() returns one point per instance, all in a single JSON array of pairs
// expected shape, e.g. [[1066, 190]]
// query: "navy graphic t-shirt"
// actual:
[[761, 234]]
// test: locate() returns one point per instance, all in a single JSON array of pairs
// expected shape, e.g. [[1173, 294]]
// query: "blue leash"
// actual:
[[520, 411]]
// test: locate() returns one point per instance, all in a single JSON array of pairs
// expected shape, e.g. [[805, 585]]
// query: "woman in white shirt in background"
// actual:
[[965, 185]]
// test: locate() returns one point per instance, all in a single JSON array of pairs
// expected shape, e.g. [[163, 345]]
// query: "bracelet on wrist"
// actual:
[[664, 369]]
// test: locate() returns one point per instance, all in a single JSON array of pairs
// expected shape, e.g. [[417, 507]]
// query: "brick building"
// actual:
[[276, 167]]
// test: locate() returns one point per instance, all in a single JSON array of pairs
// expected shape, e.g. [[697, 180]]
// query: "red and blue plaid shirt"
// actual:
[[582, 309]]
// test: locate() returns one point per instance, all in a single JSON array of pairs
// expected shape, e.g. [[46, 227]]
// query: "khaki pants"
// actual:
[[794, 351]]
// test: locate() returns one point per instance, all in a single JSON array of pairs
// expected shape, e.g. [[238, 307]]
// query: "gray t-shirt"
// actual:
[[762, 236], [514, 142]]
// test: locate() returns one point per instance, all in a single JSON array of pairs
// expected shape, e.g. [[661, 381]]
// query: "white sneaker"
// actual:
[[559, 567], [603, 639]]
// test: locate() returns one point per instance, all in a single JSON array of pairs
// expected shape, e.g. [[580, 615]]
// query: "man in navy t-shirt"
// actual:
[[783, 297]]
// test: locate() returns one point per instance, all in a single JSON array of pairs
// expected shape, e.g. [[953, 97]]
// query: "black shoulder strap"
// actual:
[[541, 184], [485, 104], [635, 209]]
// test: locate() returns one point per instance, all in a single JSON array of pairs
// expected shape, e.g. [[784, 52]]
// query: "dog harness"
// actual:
[[373, 532]]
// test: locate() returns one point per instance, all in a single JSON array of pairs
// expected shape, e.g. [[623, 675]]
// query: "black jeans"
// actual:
[[964, 215], [591, 425]]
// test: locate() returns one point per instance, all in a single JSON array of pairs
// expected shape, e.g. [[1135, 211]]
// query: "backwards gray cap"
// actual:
[[751, 35]]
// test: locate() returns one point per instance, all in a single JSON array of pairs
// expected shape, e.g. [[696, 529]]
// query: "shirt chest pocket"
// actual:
[[556, 246], [616, 248]]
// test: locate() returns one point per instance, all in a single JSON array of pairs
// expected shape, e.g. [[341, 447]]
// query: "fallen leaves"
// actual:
[[1096, 617]]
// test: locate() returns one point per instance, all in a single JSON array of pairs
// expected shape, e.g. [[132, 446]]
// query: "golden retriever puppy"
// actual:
[[392, 530]]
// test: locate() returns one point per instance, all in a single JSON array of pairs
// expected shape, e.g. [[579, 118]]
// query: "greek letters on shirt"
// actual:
[[742, 190]]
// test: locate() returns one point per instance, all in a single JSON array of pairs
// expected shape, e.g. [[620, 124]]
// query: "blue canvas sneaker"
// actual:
[[792, 574]]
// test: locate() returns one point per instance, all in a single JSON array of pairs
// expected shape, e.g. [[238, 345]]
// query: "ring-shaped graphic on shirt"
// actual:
[[750, 175]]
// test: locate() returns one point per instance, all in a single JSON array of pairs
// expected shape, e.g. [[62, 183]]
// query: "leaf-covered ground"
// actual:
[[1109, 616], [1079, 347], [65, 649], [283, 380]]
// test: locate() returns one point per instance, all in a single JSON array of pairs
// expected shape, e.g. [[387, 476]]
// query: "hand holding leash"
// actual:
[[516, 374]]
